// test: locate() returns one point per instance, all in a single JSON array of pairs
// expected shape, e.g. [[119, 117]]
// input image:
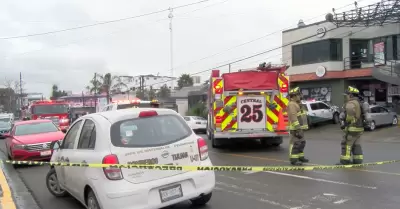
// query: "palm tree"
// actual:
[[185, 80], [111, 84]]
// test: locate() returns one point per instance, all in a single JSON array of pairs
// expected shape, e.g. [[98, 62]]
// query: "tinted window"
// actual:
[[320, 51], [323, 106], [383, 110], [135, 105], [5, 119], [314, 106], [69, 140], [50, 109], [375, 110], [147, 132], [35, 128], [88, 135]]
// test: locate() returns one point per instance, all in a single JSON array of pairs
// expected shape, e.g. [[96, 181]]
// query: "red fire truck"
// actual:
[[248, 104], [57, 111]]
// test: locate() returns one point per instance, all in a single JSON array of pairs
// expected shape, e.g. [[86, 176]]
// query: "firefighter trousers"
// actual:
[[351, 147], [296, 148]]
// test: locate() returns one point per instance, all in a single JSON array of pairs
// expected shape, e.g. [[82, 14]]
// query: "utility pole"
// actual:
[[20, 89], [95, 90], [170, 16]]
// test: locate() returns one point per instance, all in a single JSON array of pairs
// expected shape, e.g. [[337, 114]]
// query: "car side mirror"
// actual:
[[55, 145], [64, 131], [6, 135]]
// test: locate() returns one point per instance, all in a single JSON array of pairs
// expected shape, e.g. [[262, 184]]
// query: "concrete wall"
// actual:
[[345, 33], [182, 106]]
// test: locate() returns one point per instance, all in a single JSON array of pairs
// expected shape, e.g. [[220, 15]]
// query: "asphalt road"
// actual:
[[367, 188]]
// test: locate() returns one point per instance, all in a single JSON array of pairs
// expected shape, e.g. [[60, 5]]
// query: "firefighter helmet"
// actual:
[[352, 90], [294, 91]]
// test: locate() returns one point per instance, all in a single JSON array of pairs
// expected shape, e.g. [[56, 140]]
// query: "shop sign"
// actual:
[[320, 71]]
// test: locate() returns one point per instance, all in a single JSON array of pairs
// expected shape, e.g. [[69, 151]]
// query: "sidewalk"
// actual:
[[6, 199]]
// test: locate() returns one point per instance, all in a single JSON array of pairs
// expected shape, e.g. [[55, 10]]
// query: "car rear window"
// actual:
[[149, 132], [133, 105], [35, 128]]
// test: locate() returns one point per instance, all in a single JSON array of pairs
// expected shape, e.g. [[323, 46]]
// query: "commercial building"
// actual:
[[326, 57]]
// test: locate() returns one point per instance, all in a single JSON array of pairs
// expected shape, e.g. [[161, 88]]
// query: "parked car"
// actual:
[[379, 116], [131, 136], [196, 123], [319, 112], [5, 128], [30, 140]]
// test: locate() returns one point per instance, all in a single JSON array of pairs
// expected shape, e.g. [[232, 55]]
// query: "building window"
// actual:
[[315, 52]]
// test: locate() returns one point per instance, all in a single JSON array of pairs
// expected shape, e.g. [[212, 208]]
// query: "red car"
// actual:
[[30, 140]]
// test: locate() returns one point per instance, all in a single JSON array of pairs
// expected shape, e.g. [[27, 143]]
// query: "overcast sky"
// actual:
[[141, 45]]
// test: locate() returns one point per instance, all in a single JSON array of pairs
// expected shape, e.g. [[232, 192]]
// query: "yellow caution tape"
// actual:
[[200, 168]]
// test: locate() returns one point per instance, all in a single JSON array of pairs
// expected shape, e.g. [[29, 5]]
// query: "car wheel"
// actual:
[[53, 185], [336, 119], [372, 126], [91, 201], [202, 200], [395, 121]]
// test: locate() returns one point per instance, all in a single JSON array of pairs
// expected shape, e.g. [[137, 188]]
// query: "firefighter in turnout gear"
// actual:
[[297, 125], [353, 126]]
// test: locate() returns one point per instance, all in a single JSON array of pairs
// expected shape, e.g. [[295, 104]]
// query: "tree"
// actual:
[[106, 84], [185, 80], [11, 88], [140, 94], [56, 93], [164, 92], [151, 93]]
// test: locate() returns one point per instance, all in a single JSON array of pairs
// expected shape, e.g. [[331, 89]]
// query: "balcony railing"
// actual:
[[387, 67]]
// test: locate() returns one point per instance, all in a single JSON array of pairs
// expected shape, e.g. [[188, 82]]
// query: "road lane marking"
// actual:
[[243, 180], [6, 200], [285, 161], [263, 200], [320, 180]]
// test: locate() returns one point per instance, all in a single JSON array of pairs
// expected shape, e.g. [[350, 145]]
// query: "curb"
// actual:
[[22, 197]]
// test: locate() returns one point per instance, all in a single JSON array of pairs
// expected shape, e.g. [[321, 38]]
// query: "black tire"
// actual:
[[91, 201], [335, 118], [202, 200], [372, 126], [52, 184], [275, 142], [395, 121]]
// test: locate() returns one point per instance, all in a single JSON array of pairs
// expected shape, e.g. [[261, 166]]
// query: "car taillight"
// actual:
[[64, 120], [203, 149], [112, 173], [145, 114]]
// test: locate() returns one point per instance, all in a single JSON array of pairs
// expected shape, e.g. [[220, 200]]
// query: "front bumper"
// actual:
[[19, 154]]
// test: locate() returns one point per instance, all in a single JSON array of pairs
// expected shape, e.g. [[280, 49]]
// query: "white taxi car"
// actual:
[[196, 123], [320, 112], [131, 136]]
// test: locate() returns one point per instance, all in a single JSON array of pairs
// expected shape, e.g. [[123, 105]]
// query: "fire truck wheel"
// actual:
[[214, 142]]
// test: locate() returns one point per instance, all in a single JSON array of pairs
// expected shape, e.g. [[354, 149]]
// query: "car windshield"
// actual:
[[5, 124], [149, 132], [50, 109], [133, 105], [5, 119], [35, 128]]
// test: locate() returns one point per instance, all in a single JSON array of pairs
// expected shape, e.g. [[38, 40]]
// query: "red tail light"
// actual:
[[284, 88], [203, 149], [112, 173], [145, 114]]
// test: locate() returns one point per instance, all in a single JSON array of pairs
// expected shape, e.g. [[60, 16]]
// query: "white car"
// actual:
[[196, 123], [131, 136]]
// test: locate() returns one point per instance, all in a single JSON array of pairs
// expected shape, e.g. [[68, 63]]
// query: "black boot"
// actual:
[[344, 162], [304, 160], [296, 162]]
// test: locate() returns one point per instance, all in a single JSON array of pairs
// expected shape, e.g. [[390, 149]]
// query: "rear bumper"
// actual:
[[251, 135]]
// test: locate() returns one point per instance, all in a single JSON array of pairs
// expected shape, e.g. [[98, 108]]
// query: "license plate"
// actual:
[[170, 193], [45, 153]]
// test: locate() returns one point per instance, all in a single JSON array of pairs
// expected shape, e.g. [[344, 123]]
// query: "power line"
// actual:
[[260, 53], [253, 40], [101, 23]]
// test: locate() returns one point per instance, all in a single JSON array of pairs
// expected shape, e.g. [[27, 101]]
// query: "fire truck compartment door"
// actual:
[[251, 112]]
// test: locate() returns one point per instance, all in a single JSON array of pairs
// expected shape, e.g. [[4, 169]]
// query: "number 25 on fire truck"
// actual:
[[248, 104]]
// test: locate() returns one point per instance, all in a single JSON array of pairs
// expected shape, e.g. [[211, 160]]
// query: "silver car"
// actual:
[[379, 116]]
